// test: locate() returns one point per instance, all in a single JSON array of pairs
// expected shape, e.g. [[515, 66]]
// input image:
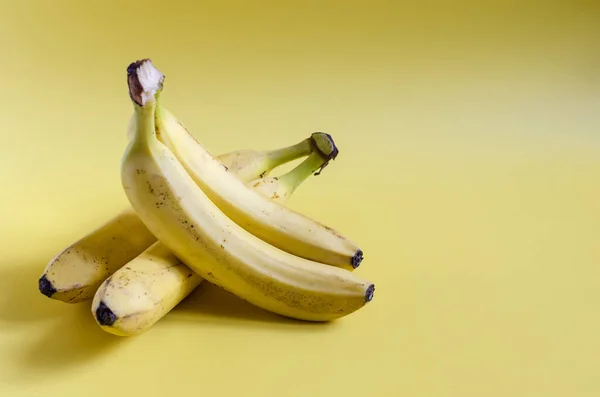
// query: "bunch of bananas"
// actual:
[[196, 217]]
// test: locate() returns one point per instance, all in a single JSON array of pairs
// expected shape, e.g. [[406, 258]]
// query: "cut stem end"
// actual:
[[325, 145], [144, 81]]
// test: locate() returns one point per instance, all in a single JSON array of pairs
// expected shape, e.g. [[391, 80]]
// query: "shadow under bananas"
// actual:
[[70, 341], [21, 299], [48, 335], [209, 303]]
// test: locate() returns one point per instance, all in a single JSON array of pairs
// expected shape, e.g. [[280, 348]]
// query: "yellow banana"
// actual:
[[142, 292], [268, 220], [186, 220], [76, 272]]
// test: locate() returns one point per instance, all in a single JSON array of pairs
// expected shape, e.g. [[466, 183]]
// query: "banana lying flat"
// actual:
[[142, 292], [268, 220], [76, 272], [178, 212]]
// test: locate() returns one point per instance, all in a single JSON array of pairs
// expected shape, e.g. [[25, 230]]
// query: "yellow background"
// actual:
[[469, 168]]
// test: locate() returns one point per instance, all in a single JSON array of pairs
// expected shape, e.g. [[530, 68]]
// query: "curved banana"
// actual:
[[142, 292], [185, 220], [76, 272], [268, 220]]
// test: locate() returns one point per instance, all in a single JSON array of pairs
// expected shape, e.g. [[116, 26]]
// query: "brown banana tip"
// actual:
[[133, 66], [45, 286], [357, 259], [369, 294], [139, 91], [104, 315], [327, 149]]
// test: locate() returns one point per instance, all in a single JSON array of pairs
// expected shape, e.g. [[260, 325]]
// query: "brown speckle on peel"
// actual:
[[334, 232], [76, 296], [256, 184], [262, 175]]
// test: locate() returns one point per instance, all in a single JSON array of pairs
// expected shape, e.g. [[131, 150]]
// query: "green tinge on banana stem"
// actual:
[[293, 178], [284, 155]]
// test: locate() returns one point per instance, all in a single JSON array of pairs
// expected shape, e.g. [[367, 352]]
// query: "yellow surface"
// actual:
[[469, 172]]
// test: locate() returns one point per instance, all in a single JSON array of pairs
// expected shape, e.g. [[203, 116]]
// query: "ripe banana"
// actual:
[[268, 220], [142, 292], [186, 220], [76, 272]]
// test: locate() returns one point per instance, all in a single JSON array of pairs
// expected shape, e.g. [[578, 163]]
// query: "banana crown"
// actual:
[[144, 81]]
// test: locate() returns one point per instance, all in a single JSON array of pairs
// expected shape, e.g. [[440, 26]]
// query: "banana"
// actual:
[[186, 220], [268, 220], [76, 272], [73, 275], [142, 292]]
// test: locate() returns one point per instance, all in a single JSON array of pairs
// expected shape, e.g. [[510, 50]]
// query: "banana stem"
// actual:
[[289, 153], [302, 171], [145, 84], [144, 118]]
